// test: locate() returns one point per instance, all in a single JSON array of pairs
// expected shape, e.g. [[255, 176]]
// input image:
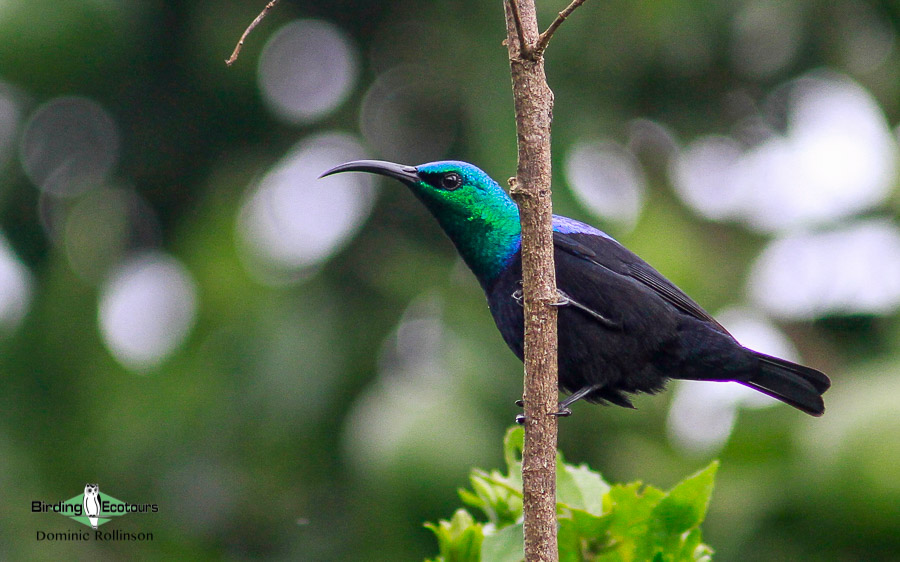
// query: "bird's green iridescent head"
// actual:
[[474, 211]]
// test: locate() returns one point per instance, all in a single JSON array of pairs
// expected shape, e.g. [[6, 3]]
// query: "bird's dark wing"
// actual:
[[609, 254]]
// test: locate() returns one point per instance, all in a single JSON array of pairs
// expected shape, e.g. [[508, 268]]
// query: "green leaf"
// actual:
[[461, 522], [597, 522], [570, 541], [485, 493], [631, 505], [496, 495], [505, 545], [580, 487], [581, 534], [693, 548], [684, 507], [587, 524], [459, 540], [513, 445], [470, 499]]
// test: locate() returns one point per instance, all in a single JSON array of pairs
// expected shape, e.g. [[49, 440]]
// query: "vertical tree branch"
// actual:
[[531, 190]]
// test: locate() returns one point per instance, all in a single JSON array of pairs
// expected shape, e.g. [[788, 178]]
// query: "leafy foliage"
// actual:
[[598, 521]]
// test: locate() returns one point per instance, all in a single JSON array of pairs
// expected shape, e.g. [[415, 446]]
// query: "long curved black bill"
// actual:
[[406, 174]]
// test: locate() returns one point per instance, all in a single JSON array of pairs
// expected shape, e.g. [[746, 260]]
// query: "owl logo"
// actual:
[[92, 503]]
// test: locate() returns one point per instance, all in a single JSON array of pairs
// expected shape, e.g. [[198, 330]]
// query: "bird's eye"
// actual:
[[451, 181]]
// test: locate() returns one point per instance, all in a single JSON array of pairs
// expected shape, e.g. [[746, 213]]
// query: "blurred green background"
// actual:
[[303, 369]]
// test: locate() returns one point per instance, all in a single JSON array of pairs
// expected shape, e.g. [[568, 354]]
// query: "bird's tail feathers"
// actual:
[[799, 386]]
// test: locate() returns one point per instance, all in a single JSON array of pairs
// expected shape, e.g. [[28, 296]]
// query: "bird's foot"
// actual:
[[520, 418], [562, 412], [519, 297], [566, 300], [563, 299]]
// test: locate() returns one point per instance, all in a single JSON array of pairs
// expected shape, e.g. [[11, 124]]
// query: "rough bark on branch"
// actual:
[[531, 190]]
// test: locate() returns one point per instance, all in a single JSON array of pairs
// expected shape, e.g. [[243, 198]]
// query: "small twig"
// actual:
[[524, 48], [544, 39], [240, 44]]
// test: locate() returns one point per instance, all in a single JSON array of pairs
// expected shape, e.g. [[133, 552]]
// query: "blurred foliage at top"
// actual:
[[303, 369]]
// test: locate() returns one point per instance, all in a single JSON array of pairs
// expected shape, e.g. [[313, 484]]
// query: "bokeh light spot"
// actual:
[[69, 145], [147, 309], [607, 179], [407, 117], [767, 34], [102, 226], [851, 270], [417, 416], [10, 117], [15, 288], [293, 220], [868, 39], [307, 70], [837, 157], [652, 142], [704, 176]]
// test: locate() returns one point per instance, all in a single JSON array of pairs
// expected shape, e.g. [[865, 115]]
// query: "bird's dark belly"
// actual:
[[634, 352]]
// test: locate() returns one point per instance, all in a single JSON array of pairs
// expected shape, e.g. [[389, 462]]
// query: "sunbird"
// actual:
[[623, 328]]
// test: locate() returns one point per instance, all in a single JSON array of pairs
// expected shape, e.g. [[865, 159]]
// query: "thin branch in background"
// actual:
[[544, 39], [524, 48], [240, 44]]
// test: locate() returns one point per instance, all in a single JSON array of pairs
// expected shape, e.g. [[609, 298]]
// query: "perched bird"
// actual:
[[623, 327]]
